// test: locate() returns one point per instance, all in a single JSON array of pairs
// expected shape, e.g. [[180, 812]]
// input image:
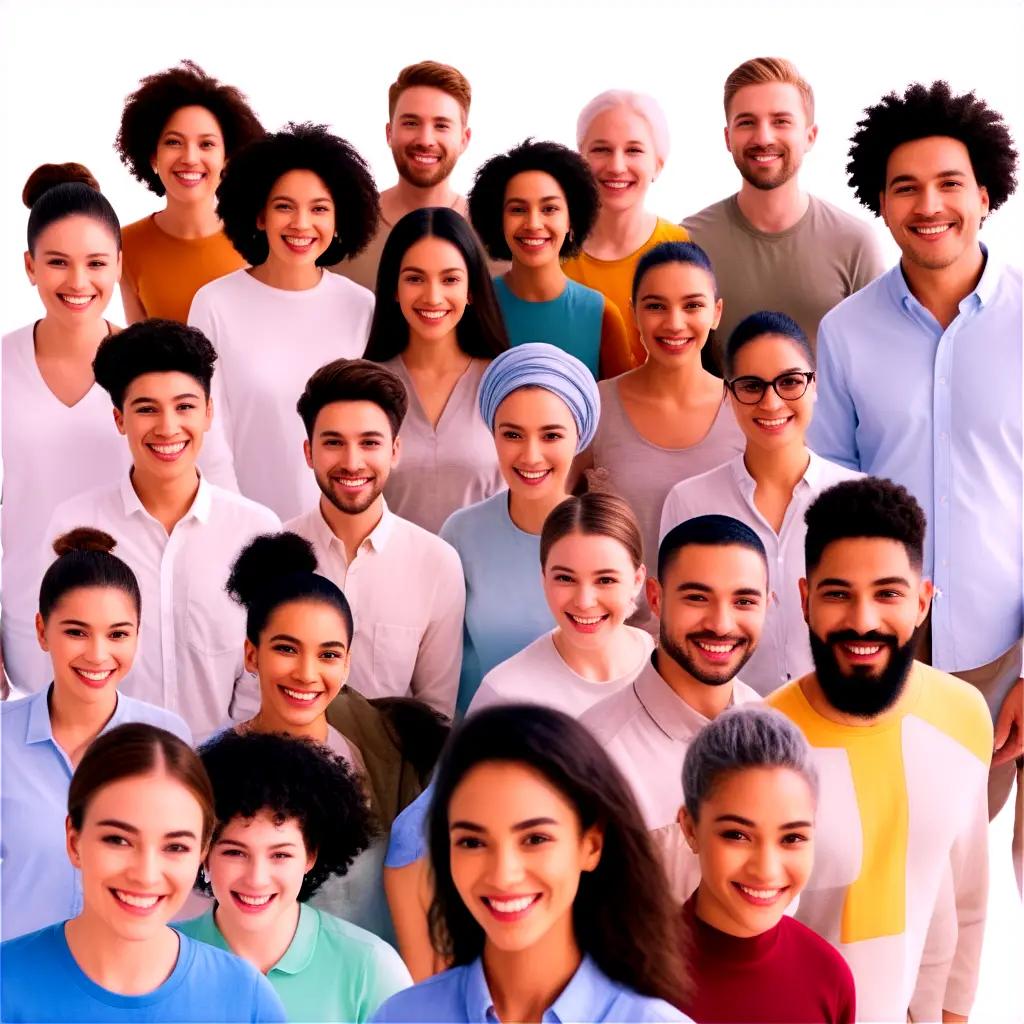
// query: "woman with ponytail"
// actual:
[[88, 625]]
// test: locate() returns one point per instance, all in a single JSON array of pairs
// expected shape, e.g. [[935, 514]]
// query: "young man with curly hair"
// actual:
[[919, 380], [774, 246]]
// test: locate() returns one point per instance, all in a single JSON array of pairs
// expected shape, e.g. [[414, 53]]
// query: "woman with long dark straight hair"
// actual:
[[549, 900], [437, 325]]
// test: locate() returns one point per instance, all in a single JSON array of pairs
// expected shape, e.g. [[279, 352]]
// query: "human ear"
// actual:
[[250, 657], [592, 844], [688, 827]]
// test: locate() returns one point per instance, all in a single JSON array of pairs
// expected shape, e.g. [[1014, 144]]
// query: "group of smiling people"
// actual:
[[569, 626]]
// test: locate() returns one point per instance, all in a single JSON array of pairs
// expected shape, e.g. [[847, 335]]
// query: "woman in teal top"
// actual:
[[289, 815], [535, 205]]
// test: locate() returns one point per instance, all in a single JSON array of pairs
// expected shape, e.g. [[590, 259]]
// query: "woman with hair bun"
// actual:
[[139, 818], [293, 203], [57, 436], [178, 131], [291, 815], [88, 624]]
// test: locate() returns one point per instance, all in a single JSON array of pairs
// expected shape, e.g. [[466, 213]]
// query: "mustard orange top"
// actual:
[[166, 272], [614, 279]]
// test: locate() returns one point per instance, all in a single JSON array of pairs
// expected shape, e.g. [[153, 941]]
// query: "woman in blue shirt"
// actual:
[[549, 900], [88, 623], [140, 815]]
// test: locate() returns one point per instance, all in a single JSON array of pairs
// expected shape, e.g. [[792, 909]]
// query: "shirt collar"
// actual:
[[982, 294], [377, 537], [199, 509], [299, 954], [669, 712], [477, 996], [745, 482], [40, 729]]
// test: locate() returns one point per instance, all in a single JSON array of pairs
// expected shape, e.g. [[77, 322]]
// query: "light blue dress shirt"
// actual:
[[939, 411], [505, 605], [461, 994], [408, 840], [38, 885]]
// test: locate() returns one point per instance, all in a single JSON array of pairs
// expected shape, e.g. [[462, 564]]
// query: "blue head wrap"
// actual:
[[544, 366]]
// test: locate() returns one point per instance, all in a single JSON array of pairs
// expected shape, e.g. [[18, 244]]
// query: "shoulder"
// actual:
[[711, 482], [956, 709], [426, 544], [435, 999], [350, 942], [870, 301], [138, 230], [848, 227], [465, 522], [345, 290], [510, 671], [135, 710], [89, 508], [628, 1004], [785, 699], [666, 231], [818, 958], [14, 713], [210, 965], [710, 217], [608, 717], [831, 473], [240, 509], [31, 949], [224, 289], [21, 338], [743, 694]]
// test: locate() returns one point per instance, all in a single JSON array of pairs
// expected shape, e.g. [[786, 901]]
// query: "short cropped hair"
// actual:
[[249, 177], [354, 380], [158, 96], [436, 76], [707, 531], [640, 103], [866, 507], [763, 70], [757, 325], [567, 167], [152, 346], [923, 111]]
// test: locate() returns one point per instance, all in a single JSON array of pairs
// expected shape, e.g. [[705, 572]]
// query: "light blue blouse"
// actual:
[[505, 606], [38, 885]]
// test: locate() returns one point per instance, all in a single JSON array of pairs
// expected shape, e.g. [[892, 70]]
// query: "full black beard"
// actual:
[[862, 694]]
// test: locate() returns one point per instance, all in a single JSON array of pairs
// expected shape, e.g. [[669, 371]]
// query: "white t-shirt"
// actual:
[[269, 342]]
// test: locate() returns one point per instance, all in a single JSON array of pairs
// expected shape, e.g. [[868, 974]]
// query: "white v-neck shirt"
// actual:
[[51, 452]]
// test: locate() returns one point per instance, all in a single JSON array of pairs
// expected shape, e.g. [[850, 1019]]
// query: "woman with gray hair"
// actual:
[[750, 790]]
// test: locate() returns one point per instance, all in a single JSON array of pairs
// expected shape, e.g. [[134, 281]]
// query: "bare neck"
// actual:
[[75, 723], [536, 284], [405, 197], [773, 210], [265, 947], [709, 701], [441, 357], [684, 381], [125, 967], [78, 344], [528, 515], [942, 291], [189, 220], [167, 501], [782, 469], [266, 720], [351, 529], [619, 233], [612, 660]]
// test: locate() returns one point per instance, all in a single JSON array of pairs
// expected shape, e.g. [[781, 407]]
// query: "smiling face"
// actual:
[[165, 418], [535, 438], [255, 867], [517, 853], [676, 308], [190, 156], [91, 636], [76, 266], [755, 841], [302, 662], [433, 288], [711, 603], [619, 147], [863, 603], [590, 585], [932, 203], [139, 850], [352, 454], [298, 219], [427, 135], [772, 423], [535, 218], [768, 133]]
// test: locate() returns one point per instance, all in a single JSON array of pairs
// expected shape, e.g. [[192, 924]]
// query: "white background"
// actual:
[[66, 67]]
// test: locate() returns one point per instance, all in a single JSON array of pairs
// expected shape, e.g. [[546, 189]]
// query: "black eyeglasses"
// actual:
[[788, 386]]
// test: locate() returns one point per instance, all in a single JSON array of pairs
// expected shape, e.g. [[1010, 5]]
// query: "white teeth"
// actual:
[[864, 649], [715, 648], [761, 894], [254, 901], [592, 621], [674, 342], [532, 243], [511, 906], [96, 677], [169, 449], [773, 423], [766, 159], [189, 175], [422, 158], [616, 184], [532, 476], [142, 902], [77, 300], [432, 314], [303, 695], [352, 482], [296, 241], [938, 229]]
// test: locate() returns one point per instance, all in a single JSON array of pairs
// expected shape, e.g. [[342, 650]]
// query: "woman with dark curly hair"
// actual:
[[289, 815], [534, 205], [437, 326], [178, 130], [550, 901], [292, 204]]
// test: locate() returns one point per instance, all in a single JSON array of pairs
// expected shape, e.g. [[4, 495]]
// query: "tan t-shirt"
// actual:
[[803, 271]]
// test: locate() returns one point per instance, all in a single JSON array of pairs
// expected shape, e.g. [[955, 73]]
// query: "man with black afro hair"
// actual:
[[919, 380]]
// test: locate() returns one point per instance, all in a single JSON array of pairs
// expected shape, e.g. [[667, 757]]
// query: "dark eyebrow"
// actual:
[[420, 270], [177, 398], [900, 178], [772, 113], [831, 581], [285, 636], [79, 622], [595, 572], [288, 199], [747, 592], [549, 426], [203, 135], [888, 581], [183, 833], [521, 826], [89, 256], [543, 199], [739, 821], [692, 585], [244, 846], [338, 433], [653, 295], [797, 824]]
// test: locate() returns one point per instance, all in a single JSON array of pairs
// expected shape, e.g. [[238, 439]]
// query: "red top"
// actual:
[[787, 973]]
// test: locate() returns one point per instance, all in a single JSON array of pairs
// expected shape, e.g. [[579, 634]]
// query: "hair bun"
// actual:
[[268, 558], [84, 538], [47, 176]]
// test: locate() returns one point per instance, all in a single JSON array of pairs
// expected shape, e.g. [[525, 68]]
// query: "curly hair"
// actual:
[[158, 96], [290, 777], [567, 167], [867, 507], [924, 111], [249, 177]]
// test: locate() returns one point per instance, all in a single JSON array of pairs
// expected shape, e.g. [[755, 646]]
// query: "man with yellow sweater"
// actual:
[[900, 881]]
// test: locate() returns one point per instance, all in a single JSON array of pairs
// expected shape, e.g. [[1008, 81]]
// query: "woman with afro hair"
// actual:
[[293, 203], [289, 815], [535, 205], [178, 130]]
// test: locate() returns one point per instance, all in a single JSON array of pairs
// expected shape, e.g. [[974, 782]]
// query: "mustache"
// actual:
[[716, 638], [849, 636]]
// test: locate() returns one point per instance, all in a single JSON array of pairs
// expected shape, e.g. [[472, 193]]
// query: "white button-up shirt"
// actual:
[[784, 651], [192, 635], [408, 597]]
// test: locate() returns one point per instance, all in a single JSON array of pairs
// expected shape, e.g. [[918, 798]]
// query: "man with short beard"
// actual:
[[900, 880], [405, 586], [710, 598], [774, 246]]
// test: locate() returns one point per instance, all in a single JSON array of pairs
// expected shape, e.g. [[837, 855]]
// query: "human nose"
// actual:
[[862, 615], [586, 595], [305, 668], [719, 618], [96, 649], [762, 133], [144, 868], [506, 866], [77, 277], [432, 291], [928, 201], [770, 399], [257, 873], [763, 863], [617, 160]]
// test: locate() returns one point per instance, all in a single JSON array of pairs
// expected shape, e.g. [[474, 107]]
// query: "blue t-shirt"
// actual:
[[408, 840], [571, 322], [505, 605], [41, 981]]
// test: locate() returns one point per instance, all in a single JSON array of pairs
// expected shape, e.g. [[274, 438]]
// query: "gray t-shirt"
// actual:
[[803, 271]]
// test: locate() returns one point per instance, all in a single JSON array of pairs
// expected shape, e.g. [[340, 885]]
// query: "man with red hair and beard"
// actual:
[[900, 880]]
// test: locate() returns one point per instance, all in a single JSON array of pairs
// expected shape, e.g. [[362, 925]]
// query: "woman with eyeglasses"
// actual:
[[769, 372]]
